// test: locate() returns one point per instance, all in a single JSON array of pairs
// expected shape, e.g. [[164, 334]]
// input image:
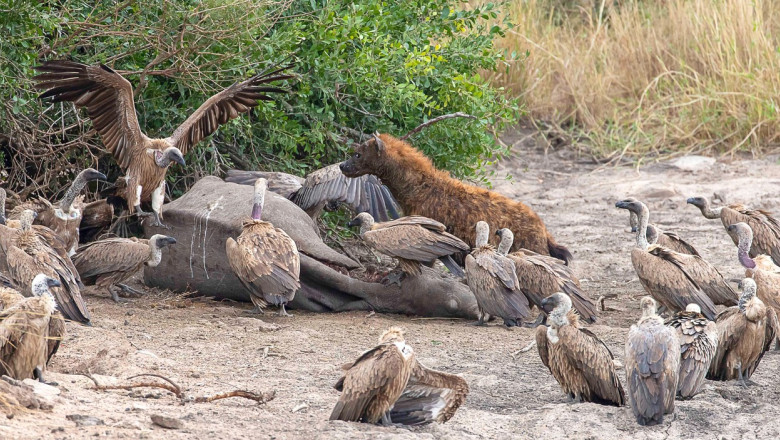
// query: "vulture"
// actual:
[[655, 235], [698, 338], [493, 280], [96, 218], [26, 331], [63, 218], [108, 97], [674, 279], [108, 263], [580, 362], [412, 240], [760, 268], [265, 259], [30, 253], [387, 384], [540, 276], [652, 366], [766, 229], [325, 188], [745, 333]]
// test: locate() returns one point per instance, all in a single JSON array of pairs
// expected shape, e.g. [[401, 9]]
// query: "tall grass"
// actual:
[[645, 77]]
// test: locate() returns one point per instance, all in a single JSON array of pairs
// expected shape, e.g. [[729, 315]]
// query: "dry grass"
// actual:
[[643, 77]]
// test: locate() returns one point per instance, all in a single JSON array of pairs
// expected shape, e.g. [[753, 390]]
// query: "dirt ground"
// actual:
[[209, 347]]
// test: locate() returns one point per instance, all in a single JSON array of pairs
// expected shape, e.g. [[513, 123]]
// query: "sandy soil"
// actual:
[[209, 347]]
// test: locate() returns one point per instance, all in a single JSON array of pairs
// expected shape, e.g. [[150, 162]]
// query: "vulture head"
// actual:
[[27, 218], [744, 240], [694, 308], [699, 202], [748, 302], [41, 286], [259, 198], [364, 220], [483, 232], [90, 174], [391, 335], [507, 237], [557, 307], [160, 241], [164, 157], [643, 215], [648, 306]]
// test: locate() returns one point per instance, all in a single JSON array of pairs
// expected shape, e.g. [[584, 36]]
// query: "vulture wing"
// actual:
[[111, 255], [673, 241], [772, 329], [108, 97], [56, 334], [280, 183], [698, 338], [731, 325], [493, 280], [541, 345], [707, 278], [38, 206], [8, 297], [413, 242], [95, 218], [651, 353], [588, 354], [766, 230], [12, 325], [430, 396]]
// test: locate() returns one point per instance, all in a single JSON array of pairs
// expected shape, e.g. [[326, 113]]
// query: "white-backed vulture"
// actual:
[[96, 218], [540, 276], [25, 331], [412, 240], [108, 98], [429, 396], [265, 259], [674, 279], [326, 188], [29, 254], [580, 362], [493, 281], [666, 239], [745, 333], [10, 296], [761, 268], [652, 366], [108, 263], [766, 229], [698, 338]]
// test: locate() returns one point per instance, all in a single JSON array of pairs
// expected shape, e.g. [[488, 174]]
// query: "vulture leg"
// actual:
[[741, 377], [129, 291], [256, 311], [38, 374], [394, 277], [386, 419], [481, 321], [114, 291], [158, 197], [283, 312], [509, 323]]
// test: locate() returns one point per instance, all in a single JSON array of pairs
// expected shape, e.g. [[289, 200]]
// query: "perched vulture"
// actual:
[[655, 235], [745, 333], [652, 366], [29, 255], [64, 217], [96, 218], [265, 259], [674, 279], [25, 332], [493, 280], [108, 98], [326, 188], [760, 268], [412, 240], [110, 262], [540, 276], [766, 229], [698, 338], [577, 359]]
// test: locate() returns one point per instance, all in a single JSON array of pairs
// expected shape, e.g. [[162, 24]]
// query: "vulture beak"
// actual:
[[498, 232], [732, 228], [633, 228], [178, 159], [51, 282], [167, 241], [548, 304], [95, 175], [691, 200], [623, 204], [352, 223]]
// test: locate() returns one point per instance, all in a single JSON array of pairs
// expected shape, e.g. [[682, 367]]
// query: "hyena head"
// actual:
[[365, 158]]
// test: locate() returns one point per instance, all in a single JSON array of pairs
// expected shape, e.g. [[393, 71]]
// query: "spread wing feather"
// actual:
[[111, 255], [430, 396], [766, 229]]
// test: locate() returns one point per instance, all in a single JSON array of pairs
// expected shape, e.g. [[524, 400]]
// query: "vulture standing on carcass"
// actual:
[[652, 366], [108, 98], [666, 239], [325, 188], [580, 362], [540, 276], [745, 333], [674, 279], [766, 229], [412, 240], [108, 263], [26, 332], [265, 259], [698, 338], [493, 280], [760, 268], [29, 255], [64, 218]]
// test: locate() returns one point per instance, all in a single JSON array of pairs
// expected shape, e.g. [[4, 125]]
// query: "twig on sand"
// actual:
[[259, 398], [524, 349], [601, 299], [441, 318], [435, 120]]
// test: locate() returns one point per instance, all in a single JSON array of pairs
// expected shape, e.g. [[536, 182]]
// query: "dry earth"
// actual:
[[209, 347]]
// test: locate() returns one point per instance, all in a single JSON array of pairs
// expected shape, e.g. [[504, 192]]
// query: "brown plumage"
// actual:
[[745, 333], [580, 362], [429, 396], [766, 229], [265, 259], [698, 338], [10, 296], [674, 279], [423, 190], [493, 280], [110, 262], [667, 239], [96, 218], [540, 276], [760, 268], [108, 98], [652, 366]]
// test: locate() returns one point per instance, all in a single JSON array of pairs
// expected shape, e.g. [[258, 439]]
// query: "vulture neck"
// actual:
[[743, 252], [710, 213], [559, 315], [257, 207], [482, 237], [505, 244], [366, 225], [2, 207], [652, 234], [641, 230], [155, 255], [75, 188]]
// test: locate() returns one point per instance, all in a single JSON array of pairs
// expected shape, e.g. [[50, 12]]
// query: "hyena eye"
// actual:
[[357, 155]]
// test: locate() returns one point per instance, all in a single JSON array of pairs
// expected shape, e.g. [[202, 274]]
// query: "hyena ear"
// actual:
[[380, 146]]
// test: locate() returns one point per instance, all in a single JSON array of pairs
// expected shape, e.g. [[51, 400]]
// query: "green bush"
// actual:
[[366, 65]]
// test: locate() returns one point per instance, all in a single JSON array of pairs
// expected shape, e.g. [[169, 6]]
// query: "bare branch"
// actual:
[[430, 122]]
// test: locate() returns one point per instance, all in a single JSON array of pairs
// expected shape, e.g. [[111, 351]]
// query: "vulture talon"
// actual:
[[130, 292], [283, 312]]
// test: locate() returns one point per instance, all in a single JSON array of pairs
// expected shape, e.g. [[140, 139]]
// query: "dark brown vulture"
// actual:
[[108, 98], [652, 366], [429, 396], [674, 279], [110, 262], [412, 240], [666, 239], [761, 268], [766, 229], [540, 276], [265, 259], [96, 218], [698, 338], [577, 359], [493, 280]]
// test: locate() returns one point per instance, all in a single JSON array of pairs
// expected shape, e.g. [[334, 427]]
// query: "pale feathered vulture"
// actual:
[[577, 359], [698, 338], [265, 259], [108, 98], [760, 268], [652, 366], [666, 239], [674, 279]]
